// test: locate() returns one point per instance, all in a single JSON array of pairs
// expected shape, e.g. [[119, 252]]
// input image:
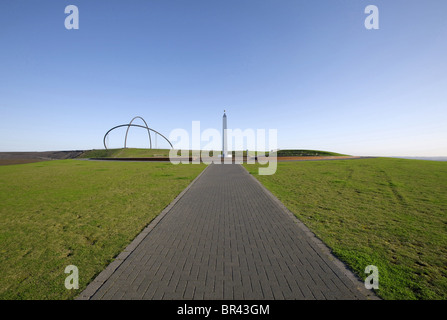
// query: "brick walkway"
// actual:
[[226, 237]]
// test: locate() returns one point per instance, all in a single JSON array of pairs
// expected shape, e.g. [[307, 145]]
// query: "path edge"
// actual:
[[341, 266], [104, 275]]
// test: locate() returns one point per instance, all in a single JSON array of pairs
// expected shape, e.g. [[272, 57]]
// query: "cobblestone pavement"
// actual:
[[226, 237]]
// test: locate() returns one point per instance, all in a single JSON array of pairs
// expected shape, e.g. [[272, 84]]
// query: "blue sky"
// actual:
[[309, 69]]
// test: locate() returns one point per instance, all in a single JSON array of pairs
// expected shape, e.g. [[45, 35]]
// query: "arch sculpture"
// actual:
[[130, 124]]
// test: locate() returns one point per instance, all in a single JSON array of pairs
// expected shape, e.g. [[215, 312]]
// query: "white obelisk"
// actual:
[[224, 136]]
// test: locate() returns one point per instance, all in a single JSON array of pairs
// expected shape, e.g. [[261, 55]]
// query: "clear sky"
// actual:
[[308, 68]]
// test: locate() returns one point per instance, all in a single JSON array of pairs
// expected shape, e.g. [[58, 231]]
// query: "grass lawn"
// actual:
[[148, 153], [391, 213], [131, 153], [84, 213], [306, 153], [125, 153]]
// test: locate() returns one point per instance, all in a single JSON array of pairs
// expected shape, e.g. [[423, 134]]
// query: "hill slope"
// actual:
[[125, 153], [149, 153], [306, 153]]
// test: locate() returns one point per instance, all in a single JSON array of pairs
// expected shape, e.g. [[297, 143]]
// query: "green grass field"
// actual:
[[130, 153], [84, 213], [149, 153], [391, 213], [306, 153], [125, 153]]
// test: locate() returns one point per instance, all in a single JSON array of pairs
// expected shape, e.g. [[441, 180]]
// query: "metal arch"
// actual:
[[148, 132], [134, 125]]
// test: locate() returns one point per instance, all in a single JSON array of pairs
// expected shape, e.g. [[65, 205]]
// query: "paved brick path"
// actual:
[[226, 238]]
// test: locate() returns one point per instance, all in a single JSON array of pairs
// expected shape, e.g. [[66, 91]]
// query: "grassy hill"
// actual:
[[306, 153], [149, 153], [125, 153]]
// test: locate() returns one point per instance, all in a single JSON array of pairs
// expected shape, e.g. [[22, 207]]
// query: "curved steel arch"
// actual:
[[148, 132], [134, 125]]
